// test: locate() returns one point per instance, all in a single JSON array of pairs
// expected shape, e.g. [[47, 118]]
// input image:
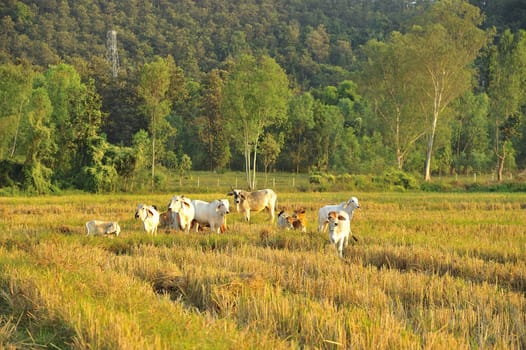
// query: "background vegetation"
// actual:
[[119, 95], [433, 271]]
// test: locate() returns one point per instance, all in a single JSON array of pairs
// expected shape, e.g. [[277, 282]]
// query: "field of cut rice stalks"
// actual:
[[429, 271]]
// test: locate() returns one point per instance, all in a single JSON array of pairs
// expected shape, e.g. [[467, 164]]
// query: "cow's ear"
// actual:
[[242, 196], [150, 212], [230, 194], [186, 203], [341, 217]]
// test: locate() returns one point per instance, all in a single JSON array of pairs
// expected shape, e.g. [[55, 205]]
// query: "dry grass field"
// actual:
[[429, 271]]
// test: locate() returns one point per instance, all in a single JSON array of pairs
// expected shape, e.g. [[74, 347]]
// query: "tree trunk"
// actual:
[[399, 159], [247, 163], [427, 174], [17, 129], [153, 162], [500, 163], [500, 168], [253, 184]]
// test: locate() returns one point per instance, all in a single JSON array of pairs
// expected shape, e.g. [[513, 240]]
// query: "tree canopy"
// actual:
[[345, 86]]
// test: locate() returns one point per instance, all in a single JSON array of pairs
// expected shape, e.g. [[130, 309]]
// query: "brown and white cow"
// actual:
[[339, 229]]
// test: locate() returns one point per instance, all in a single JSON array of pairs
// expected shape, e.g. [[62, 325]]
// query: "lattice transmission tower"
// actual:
[[111, 52]]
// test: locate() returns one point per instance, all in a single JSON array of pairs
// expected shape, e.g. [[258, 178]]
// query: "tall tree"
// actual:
[[471, 140], [211, 131], [41, 145], [506, 89], [153, 88], [255, 97], [387, 80], [299, 123], [444, 48], [66, 93], [15, 92]]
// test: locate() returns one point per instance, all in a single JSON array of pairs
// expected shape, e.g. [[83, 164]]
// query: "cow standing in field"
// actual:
[[348, 207], [254, 201], [211, 214], [183, 212], [149, 217], [339, 229], [98, 227]]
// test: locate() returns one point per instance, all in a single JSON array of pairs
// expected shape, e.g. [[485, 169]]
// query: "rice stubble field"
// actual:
[[429, 271]]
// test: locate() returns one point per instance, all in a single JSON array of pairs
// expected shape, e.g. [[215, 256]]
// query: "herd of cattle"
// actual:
[[185, 214]]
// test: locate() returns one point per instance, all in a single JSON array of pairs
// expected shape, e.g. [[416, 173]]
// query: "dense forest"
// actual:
[[114, 95]]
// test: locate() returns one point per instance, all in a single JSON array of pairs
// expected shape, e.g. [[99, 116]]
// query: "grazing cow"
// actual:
[[98, 227], [149, 217], [348, 207], [339, 229], [254, 201], [285, 220], [183, 212], [211, 214]]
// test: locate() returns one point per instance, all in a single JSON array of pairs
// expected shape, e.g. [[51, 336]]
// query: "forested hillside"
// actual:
[[112, 95]]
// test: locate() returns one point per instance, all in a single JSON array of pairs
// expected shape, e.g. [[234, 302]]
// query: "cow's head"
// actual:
[[353, 203], [239, 195], [113, 227], [178, 203], [221, 209], [143, 211], [334, 217]]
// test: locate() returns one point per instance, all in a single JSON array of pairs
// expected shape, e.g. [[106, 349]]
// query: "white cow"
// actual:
[[183, 212], [212, 214], [348, 207], [98, 227], [254, 201], [339, 229], [149, 217]]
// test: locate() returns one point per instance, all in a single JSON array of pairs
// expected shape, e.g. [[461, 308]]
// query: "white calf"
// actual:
[[212, 214], [97, 227], [183, 212], [254, 201], [339, 229], [149, 217], [348, 207]]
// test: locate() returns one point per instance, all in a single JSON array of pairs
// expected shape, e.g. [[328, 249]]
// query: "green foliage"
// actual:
[[402, 179], [507, 83], [255, 97], [11, 173], [244, 62]]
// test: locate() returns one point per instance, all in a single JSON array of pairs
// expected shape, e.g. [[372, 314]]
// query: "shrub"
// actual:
[[400, 178]]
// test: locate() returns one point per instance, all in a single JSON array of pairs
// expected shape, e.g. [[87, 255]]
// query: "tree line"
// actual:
[[429, 87]]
